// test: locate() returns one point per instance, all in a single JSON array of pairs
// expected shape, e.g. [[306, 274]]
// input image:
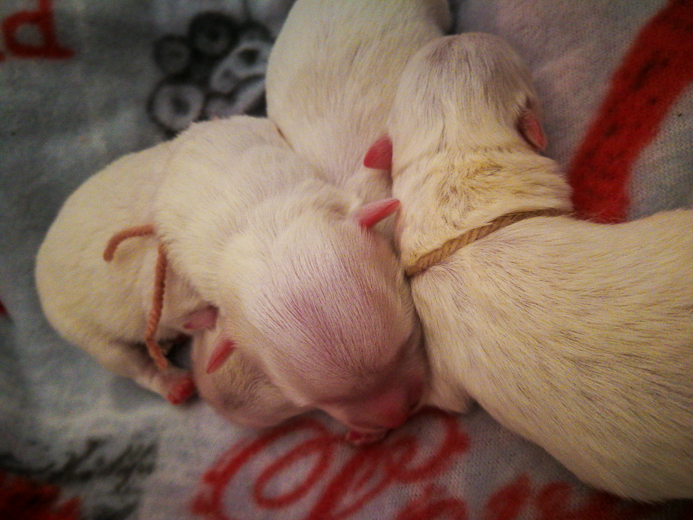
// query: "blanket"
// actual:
[[83, 83]]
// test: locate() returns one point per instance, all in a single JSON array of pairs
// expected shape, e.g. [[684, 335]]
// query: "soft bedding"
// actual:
[[82, 83]]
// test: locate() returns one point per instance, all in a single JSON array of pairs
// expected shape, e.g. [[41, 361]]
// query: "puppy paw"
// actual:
[[182, 390]]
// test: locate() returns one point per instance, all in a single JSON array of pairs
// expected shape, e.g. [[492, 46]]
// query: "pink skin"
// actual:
[[529, 126], [372, 418], [370, 214], [379, 155], [182, 390], [220, 355], [183, 387], [204, 319]]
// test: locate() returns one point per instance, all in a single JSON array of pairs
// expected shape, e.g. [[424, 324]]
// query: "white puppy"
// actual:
[[305, 289], [238, 389], [331, 79], [578, 336], [332, 76], [102, 306], [105, 307]]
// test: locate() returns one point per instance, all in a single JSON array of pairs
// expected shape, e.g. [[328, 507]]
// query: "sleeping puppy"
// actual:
[[332, 76], [103, 307], [578, 336], [306, 290], [331, 79]]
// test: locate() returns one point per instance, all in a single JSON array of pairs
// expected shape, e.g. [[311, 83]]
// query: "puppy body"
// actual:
[[332, 75], [219, 171], [331, 78], [578, 336], [102, 307], [240, 389], [305, 290]]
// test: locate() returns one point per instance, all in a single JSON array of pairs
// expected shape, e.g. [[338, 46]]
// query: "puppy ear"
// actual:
[[219, 355], [530, 128], [205, 318], [379, 155], [369, 215]]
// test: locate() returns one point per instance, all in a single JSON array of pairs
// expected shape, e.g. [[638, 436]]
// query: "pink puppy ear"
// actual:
[[529, 126], [379, 155], [203, 319], [220, 354], [369, 215]]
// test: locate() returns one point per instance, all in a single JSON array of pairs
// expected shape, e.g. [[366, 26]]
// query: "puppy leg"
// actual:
[[127, 360]]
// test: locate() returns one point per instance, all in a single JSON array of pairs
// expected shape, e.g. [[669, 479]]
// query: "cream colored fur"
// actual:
[[240, 390], [576, 335], [218, 172], [102, 307], [331, 79], [332, 76], [314, 300]]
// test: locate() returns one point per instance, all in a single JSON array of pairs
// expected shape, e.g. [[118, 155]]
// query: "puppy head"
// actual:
[[332, 318], [469, 90]]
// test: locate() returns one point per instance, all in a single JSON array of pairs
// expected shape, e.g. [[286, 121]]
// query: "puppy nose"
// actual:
[[358, 438], [390, 408]]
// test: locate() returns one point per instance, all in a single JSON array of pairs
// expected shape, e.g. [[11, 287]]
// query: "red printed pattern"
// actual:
[[42, 20], [21, 498], [371, 471], [652, 76]]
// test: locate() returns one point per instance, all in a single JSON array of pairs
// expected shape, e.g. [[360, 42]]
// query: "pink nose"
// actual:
[[391, 408]]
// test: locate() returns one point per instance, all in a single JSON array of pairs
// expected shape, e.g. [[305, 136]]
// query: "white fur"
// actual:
[[219, 171], [240, 390], [314, 300], [102, 307], [332, 76], [578, 336], [331, 79]]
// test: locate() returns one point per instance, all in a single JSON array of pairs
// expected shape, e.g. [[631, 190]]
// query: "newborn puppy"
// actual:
[[332, 76], [305, 289], [331, 79], [578, 336], [103, 306], [220, 195]]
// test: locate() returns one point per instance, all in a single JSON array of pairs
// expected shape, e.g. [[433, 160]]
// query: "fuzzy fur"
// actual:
[[331, 79], [219, 171], [102, 307], [308, 295], [332, 76], [578, 336], [240, 390]]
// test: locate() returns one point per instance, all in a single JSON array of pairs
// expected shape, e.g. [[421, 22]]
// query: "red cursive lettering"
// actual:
[[40, 21], [338, 492], [553, 503], [508, 502], [434, 504], [655, 71], [27, 499], [303, 470]]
